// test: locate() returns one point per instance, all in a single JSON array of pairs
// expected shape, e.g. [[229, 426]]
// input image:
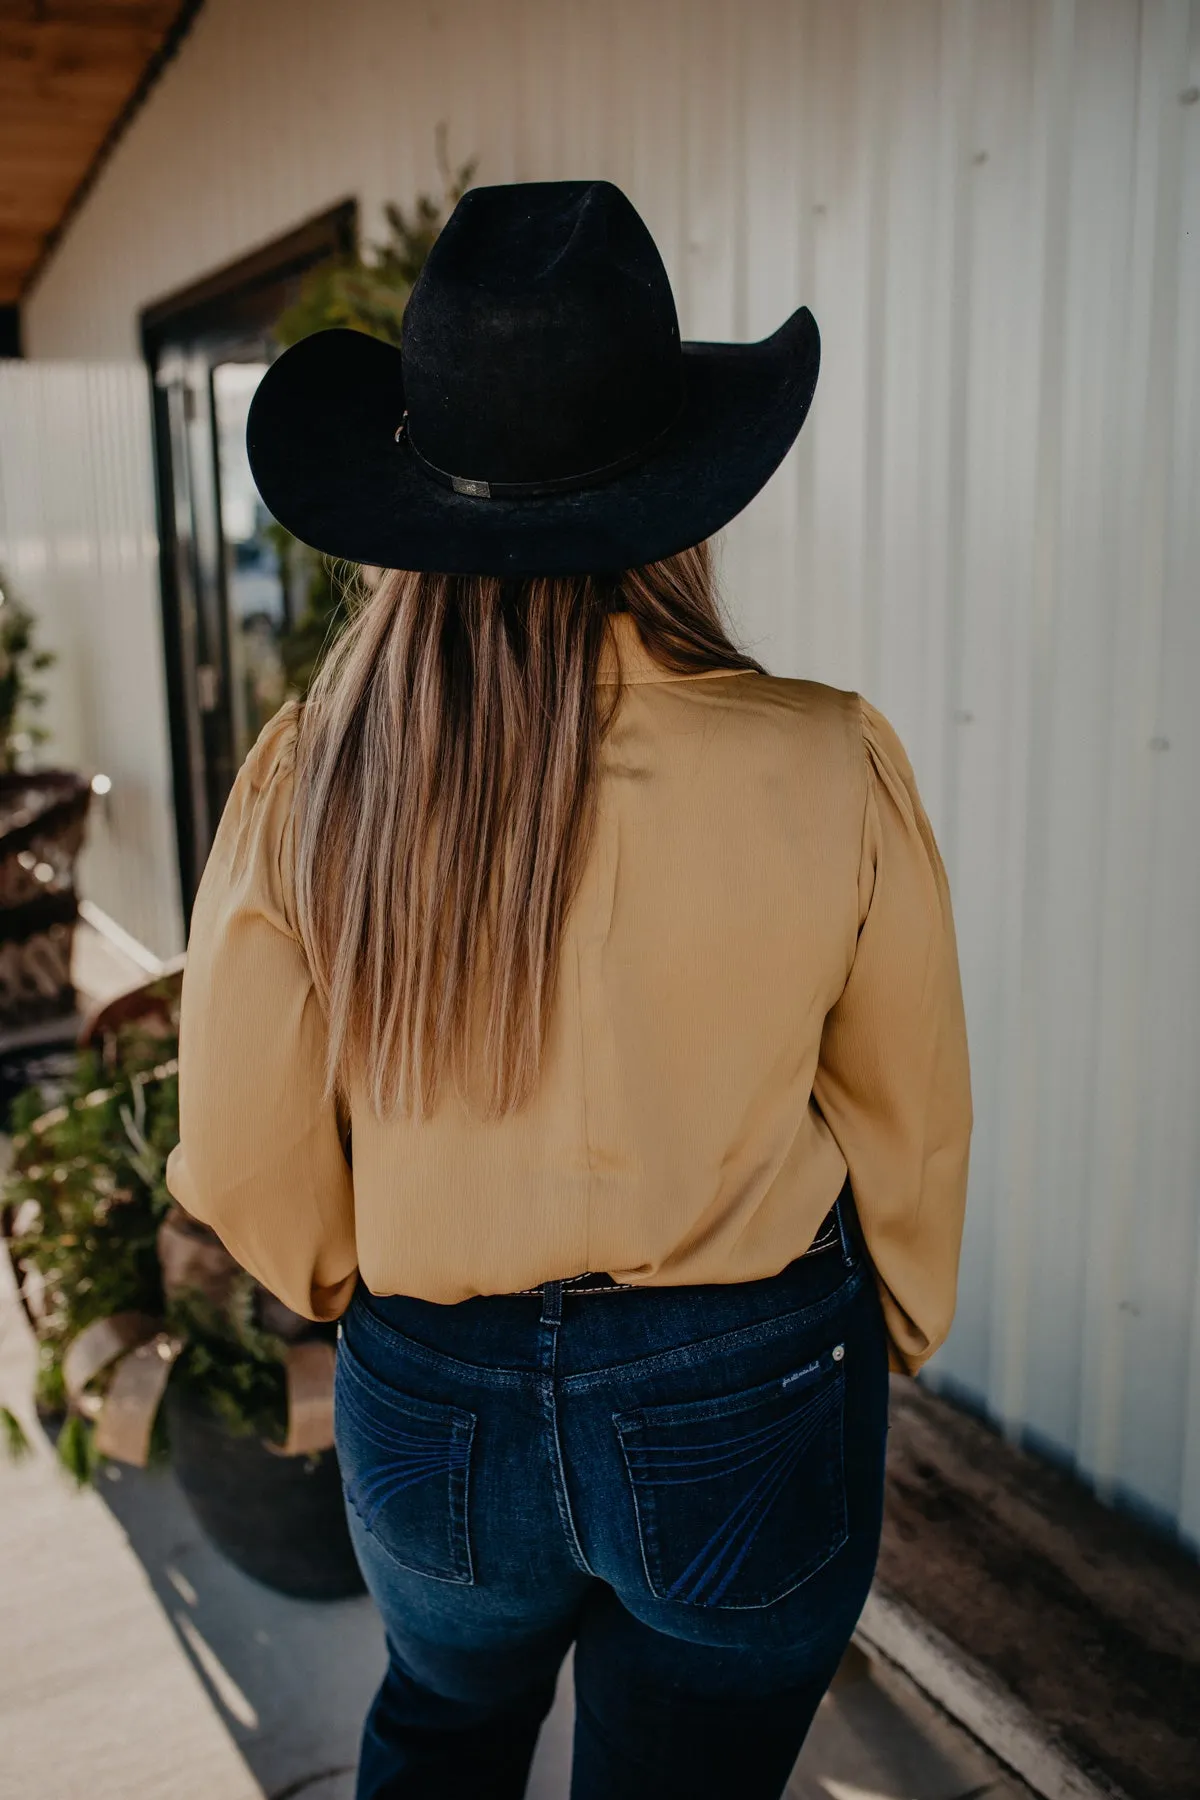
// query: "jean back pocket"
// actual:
[[740, 1499], [405, 1465]]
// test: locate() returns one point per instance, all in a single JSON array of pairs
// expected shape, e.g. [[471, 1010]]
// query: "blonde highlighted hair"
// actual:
[[446, 791]]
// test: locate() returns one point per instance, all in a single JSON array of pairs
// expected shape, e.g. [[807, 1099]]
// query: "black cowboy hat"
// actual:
[[542, 417]]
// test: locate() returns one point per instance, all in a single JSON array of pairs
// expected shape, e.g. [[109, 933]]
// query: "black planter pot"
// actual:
[[278, 1518]]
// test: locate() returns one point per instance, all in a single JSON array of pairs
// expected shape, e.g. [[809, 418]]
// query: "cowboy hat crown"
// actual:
[[541, 345], [542, 415]]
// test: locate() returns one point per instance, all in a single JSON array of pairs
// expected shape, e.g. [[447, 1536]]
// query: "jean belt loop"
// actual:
[[551, 1303], [839, 1207]]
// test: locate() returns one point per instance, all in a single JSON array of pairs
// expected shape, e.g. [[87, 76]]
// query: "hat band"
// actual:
[[533, 490]]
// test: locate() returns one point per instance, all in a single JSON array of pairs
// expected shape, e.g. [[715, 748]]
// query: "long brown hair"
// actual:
[[446, 788]]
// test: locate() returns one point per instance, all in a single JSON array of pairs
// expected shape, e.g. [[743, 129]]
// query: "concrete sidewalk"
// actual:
[[98, 1698]]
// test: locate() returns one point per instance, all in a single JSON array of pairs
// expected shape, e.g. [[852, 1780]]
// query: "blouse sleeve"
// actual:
[[260, 1156], [893, 1082]]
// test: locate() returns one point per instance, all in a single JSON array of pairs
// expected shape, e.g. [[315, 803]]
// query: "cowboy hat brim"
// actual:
[[321, 437]]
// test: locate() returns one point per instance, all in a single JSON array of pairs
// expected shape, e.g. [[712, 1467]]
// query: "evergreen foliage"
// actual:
[[361, 293], [370, 292], [231, 1366], [15, 1441], [87, 1194]]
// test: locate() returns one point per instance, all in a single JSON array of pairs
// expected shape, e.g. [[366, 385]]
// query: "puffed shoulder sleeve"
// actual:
[[260, 1156], [893, 1082]]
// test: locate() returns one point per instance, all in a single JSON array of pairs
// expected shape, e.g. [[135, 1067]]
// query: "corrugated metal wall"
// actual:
[[77, 542], [990, 525]]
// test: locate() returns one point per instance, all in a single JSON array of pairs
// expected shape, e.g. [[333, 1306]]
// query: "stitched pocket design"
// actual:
[[405, 1465], [742, 1498]]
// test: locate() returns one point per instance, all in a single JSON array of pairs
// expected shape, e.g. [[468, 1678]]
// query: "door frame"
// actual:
[[228, 307]]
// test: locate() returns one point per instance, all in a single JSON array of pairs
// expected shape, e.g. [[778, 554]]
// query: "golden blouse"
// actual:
[[758, 991]]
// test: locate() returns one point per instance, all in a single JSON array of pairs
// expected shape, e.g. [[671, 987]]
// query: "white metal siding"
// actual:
[[990, 524], [77, 542]]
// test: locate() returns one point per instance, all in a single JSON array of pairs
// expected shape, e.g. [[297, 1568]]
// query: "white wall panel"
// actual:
[[78, 544], [990, 524]]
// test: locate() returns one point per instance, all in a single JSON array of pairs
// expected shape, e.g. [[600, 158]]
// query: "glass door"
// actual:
[[225, 575], [257, 601]]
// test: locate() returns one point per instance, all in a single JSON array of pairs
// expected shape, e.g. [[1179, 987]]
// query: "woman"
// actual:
[[572, 1009]]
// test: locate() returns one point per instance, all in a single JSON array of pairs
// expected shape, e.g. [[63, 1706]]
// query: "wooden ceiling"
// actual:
[[70, 73]]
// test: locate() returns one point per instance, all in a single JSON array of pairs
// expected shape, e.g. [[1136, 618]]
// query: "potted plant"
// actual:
[[152, 1342]]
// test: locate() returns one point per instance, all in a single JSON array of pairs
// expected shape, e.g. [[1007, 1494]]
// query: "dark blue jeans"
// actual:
[[685, 1483]]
